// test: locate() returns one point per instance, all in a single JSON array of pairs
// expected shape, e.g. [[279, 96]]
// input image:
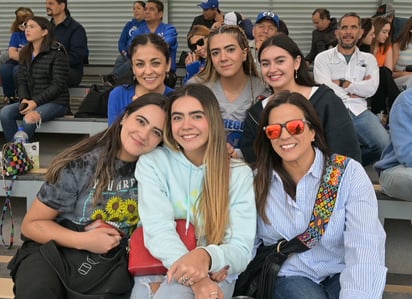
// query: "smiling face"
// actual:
[[150, 67], [226, 54], [141, 132], [190, 128], [278, 68], [296, 149]]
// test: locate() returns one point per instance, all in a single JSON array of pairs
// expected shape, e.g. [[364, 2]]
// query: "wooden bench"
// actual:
[[391, 207]]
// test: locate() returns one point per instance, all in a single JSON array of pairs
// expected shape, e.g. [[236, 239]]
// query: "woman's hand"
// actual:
[[190, 268], [207, 289], [191, 57], [101, 240], [220, 275], [231, 150]]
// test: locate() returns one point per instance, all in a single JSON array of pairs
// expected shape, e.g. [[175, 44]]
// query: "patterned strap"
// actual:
[[7, 206], [325, 200]]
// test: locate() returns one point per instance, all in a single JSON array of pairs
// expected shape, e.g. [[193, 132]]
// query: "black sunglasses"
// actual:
[[200, 42]]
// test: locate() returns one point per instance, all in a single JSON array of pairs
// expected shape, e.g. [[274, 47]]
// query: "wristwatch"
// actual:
[[341, 81]]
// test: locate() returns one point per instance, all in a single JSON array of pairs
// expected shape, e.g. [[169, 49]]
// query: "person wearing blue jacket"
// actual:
[[122, 63], [395, 165], [193, 178], [153, 24]]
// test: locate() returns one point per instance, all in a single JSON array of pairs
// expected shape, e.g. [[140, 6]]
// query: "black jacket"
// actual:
[[322, 40], [44, 79], [337, 125]]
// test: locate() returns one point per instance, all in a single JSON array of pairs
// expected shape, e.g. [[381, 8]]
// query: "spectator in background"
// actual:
[[153, 15], [150, 63], [387, 91], [354, 76], [323, 37], [196, 60], [73, 37], [18, 40], [236, 18], [395, 165], [41, 81], [266, 25], [381, 44], [211, 14], [402, 57], [122, 64], [397, 24]]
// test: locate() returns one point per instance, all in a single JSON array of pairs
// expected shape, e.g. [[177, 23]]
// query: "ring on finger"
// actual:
[[190, 282], [184, 279]]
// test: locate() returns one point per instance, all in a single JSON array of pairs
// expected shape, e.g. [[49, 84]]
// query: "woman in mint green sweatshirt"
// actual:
[[192, 177]]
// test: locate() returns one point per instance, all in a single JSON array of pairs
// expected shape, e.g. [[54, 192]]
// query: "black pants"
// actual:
[[32, 275], [386, 93]]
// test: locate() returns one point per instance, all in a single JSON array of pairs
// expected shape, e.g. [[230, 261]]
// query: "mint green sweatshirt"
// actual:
[[169, 187]]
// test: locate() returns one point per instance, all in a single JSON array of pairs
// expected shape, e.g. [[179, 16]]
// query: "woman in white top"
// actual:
[[402, 57]]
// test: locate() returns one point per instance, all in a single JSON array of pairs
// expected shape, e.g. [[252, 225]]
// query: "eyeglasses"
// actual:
[[200, 42], [294, 127]]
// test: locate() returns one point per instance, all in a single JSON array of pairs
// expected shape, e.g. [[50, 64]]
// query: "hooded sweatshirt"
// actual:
[[170, 188]]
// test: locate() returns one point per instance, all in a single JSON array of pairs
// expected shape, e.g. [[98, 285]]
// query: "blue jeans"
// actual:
[[10, 113], [8, 72], [397, 182], [299, 287], [122, 67], [372, 136]]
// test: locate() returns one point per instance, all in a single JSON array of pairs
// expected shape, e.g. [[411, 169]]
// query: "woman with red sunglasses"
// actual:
[[348, 261], [283, 68]]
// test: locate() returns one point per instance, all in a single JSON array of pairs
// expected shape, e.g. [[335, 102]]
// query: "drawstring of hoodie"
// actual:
[[188, 203]]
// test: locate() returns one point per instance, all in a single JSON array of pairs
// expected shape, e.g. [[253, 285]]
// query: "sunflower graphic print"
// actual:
[[72, 194]]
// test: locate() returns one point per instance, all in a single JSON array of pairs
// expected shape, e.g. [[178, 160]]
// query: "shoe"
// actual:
[[109, 80]]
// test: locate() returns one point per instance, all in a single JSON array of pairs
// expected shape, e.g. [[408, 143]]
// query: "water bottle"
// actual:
[[21, 136]]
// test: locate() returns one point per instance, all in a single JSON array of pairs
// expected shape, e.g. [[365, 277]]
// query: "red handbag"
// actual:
[[141, 262]]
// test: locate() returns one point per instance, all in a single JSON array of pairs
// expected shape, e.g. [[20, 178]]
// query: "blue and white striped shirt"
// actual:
[[354, 241]]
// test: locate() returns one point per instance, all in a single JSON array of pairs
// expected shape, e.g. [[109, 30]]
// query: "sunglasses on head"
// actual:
[[200, 42], [294, 127]]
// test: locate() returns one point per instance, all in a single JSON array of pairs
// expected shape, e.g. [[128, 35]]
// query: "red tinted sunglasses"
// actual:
[[294, 127], [200, 42]]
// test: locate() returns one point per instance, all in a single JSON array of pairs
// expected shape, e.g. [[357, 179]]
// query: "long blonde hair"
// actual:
[[213, 206]]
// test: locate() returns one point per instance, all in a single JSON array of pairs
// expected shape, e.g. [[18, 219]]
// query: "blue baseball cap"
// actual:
[[208, 4], [268, 15]]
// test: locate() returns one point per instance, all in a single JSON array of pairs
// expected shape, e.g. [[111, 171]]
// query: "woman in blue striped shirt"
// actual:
[[349, 260]]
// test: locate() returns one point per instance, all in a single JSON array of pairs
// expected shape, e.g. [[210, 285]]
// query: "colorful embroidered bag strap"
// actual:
[[325, 200]]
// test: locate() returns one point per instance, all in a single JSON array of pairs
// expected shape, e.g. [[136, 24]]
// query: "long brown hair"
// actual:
[[22, 15], [108, 141], [379, 23], [209, 72], [269, 160], [406, 36], [213, 206]]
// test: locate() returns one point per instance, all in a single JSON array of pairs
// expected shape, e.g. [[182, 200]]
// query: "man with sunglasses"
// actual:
[[354, 76]]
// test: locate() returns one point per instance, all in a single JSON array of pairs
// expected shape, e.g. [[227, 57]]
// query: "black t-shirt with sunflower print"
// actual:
[[72, 195]]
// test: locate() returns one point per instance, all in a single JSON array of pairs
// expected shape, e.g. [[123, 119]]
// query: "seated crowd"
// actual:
[[243, 151]]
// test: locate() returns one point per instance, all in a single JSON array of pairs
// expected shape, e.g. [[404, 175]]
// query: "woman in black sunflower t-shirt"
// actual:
[[93, 180]]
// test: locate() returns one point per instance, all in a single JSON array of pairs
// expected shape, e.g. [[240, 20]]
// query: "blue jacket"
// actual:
[[127, 33], [167, 32], [399, 150]]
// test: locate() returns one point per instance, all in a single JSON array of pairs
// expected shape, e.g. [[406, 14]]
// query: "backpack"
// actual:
[[94, 105]]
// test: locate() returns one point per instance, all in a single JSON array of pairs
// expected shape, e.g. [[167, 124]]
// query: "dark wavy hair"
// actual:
[[269, 160]]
